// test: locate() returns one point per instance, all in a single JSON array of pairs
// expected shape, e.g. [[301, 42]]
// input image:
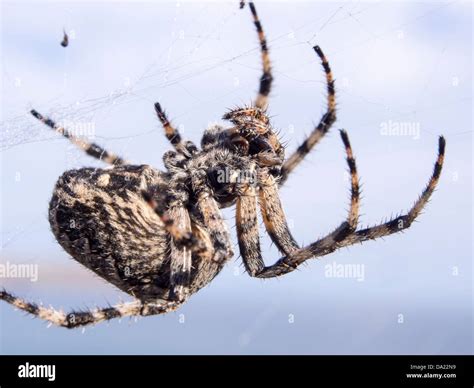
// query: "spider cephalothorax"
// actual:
[[160, 236], [253, 129]]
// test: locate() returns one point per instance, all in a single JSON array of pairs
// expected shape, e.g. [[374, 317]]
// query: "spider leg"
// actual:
[[327, 120], [91, 149], [184, 242], [275, 221], [266, 78], [212, 220], [247, 231], [174, 161], [206, 251], [343, 236], [403, 221], [209, 241], [76, 319], [180, 264], [274, 216], [202, 233], [172, 134]]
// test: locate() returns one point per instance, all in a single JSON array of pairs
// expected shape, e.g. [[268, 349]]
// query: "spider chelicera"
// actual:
[[160, 237]]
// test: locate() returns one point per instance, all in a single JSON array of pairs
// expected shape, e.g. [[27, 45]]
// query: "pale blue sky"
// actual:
[[394, 62]]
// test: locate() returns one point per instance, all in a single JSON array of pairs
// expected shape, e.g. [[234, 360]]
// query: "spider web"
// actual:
[[17, 129]]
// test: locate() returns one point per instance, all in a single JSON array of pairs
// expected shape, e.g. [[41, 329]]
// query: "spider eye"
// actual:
[[240, 144]]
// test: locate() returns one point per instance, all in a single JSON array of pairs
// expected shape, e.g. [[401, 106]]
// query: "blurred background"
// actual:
[[403, 76]]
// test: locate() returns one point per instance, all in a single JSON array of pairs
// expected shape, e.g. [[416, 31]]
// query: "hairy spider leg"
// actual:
[[273, 215], [345, 234], [207, 237], [266, 78], [76, 319], [275, 220], [177, 223], [247, 231], [187, 147], [327, 120], [91, 149], [211, 218], [180, 256]]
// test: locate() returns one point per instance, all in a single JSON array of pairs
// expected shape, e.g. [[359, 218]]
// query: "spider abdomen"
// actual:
[[100, 218]]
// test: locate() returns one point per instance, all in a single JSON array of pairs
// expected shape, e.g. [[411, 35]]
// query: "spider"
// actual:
[[160, 236]]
